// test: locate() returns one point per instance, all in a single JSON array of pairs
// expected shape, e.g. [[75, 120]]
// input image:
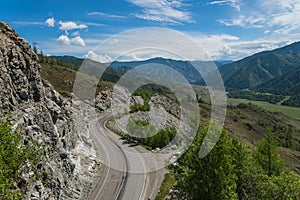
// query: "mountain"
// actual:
[[186, 68], [117, 69], [286, 84], [249, 72], [261, 67], [42, 116]]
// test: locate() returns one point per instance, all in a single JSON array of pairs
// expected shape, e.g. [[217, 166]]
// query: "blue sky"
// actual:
[[226, 29]]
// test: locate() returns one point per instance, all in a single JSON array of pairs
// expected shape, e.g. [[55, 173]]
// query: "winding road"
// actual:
[[125, 170]]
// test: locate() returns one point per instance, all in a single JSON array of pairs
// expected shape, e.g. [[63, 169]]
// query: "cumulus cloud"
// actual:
[[162, 11], [78, 41], [98, 57], [50, 22], [63, 39], [66, 26]]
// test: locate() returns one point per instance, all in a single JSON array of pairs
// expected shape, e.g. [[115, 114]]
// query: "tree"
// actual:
[[246, 170], [267, 155], [234, 171], [286, 186], [212, 177]]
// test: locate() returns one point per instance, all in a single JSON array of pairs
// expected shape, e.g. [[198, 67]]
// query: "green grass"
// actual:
[[293, 112], [168, 182]]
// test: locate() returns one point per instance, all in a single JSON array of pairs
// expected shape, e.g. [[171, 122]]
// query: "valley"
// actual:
[[93, 150], [248, 122]]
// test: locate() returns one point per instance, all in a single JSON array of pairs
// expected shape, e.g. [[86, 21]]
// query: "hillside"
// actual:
[[67, 63], [286, 84], [261, 67], [70, 60], [249, 123], [63, 78]]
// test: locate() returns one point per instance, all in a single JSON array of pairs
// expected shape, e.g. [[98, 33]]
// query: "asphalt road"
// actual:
[[126, 170]]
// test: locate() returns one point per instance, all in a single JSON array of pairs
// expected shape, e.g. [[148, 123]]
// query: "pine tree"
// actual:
[[267, 155]]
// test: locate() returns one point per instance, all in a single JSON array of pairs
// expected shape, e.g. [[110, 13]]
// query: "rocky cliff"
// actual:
[[41, 114]]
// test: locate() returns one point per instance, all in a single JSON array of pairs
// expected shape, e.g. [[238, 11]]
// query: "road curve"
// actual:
[[118, 180]]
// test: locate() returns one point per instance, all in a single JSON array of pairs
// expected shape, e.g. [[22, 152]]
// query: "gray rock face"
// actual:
[[103, 100], [43, 115]]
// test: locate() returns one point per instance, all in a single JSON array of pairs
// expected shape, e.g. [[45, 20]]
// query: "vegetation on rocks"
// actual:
[[146, 95], [15, 160]]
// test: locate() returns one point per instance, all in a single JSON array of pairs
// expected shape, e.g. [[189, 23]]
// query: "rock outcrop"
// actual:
[[43, 115]]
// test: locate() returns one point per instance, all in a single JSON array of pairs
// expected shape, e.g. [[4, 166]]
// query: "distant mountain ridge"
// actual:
[[186, 68], [261, 67], [264, 71], [183, 67], [117, 68]]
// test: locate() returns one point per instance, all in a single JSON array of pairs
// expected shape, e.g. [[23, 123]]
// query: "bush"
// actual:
[[146, 134], [139, 107], [15, 159]]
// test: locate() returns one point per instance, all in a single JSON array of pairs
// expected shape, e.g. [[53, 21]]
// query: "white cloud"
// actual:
[[66, 26], [94, 24], [233, 3], [223, 46], [243, 21], [217, 46], [105, 15], [162, 11], [145, 43], [63, 39], [78, 41], [284, 14], [50, 22], [26, 23], [278, 16], [156, 18], [239, 49], [98, 57]]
